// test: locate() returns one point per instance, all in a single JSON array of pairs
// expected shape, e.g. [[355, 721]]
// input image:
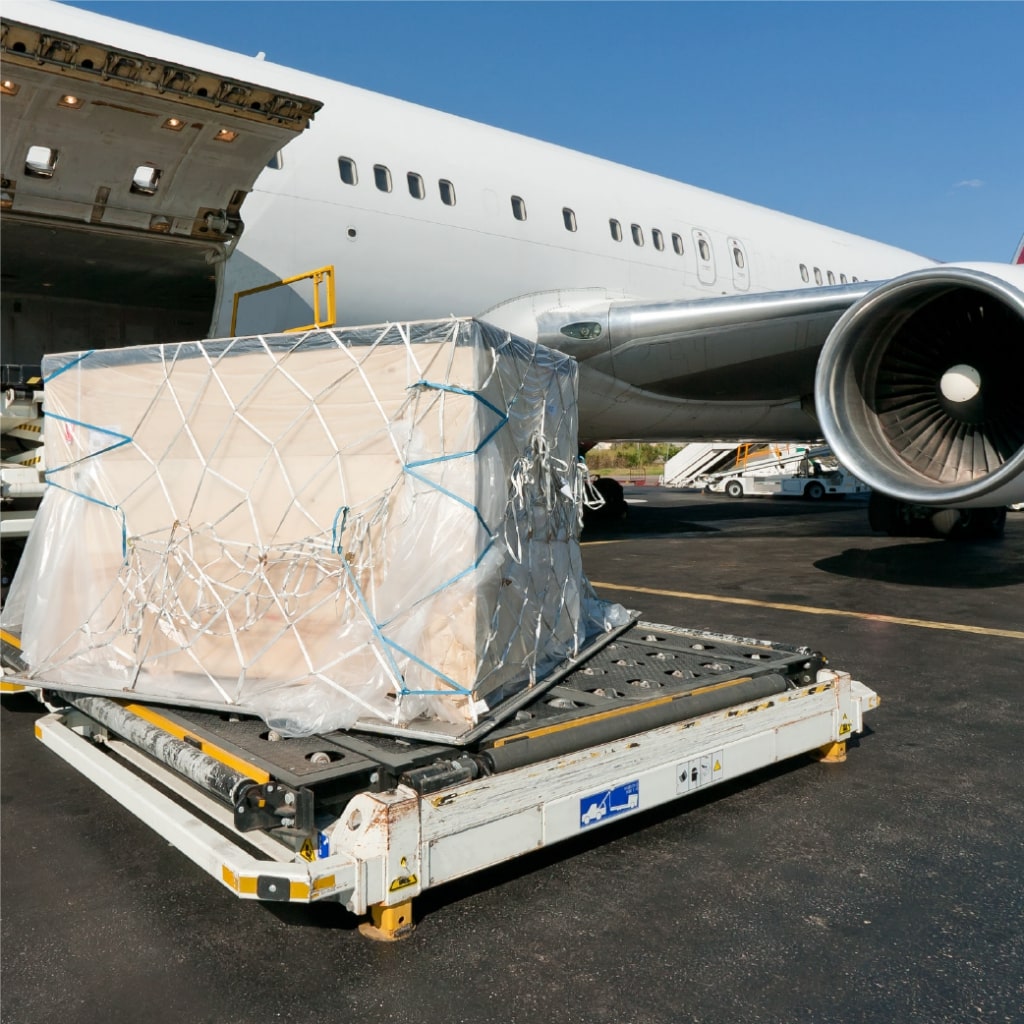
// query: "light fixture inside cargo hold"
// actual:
[[225, 135], [40, 161], [146, 180], [175, 124], [9, 88], [70, 101]]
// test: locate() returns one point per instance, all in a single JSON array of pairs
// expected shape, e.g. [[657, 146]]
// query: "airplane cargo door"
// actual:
[[124, 178], [705, 257]]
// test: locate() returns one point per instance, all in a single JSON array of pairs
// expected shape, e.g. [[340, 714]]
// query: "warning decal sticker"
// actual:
[[700, 771]]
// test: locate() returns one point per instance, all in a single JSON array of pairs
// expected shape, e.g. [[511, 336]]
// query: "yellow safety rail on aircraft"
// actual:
[[323, 276]]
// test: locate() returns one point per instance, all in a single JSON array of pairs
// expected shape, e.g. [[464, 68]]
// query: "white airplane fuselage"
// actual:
[[402, 257], [397, 256]]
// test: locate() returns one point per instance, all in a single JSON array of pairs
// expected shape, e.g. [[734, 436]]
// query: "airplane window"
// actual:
[[842, 278], [817, 276], [146, 180], [347, 170], [737, 255], [382, 177], [568, 218], [447, 190], [276, 162], [658, 239], [416, 189], [803, 273], [616, 229], [518, 208], [40, 161], [831, 278], [705, 250], [638, 234], [677, 244]]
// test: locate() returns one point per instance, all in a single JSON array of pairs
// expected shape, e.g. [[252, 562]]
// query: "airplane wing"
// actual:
[[914, 382], [735, 366], [735, 348]]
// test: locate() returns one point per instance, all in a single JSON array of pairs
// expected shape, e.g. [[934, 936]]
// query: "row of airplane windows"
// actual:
[[446, 191], [417, 189], [805, 276]]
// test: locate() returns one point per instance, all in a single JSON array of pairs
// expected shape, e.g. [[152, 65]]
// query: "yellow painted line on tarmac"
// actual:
[[895, 620]]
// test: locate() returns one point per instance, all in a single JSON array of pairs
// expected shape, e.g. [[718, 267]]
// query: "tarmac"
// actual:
[[888, 888]]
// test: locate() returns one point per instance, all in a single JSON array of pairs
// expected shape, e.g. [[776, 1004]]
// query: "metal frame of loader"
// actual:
[[371, 821]]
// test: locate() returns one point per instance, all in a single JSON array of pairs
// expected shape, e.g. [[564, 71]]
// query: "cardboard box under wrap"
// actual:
[[378, 522]]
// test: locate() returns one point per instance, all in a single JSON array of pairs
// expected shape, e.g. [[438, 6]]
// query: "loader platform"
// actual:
[[368, 820]]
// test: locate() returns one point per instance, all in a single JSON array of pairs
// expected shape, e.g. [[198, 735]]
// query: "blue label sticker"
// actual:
[[609, 802], [323, 846]]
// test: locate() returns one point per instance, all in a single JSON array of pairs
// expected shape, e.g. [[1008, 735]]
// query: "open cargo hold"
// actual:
[[375, 525]]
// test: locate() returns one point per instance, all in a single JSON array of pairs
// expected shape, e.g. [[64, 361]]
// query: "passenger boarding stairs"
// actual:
[[698, 459]]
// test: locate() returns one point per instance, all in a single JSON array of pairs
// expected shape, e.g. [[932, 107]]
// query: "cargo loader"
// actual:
[[644, 715], [313, 608]]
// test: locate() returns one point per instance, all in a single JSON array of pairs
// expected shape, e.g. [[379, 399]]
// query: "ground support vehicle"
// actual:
[[646, 715], [813, 474]]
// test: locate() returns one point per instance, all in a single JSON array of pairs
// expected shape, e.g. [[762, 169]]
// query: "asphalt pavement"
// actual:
[[886, 889]]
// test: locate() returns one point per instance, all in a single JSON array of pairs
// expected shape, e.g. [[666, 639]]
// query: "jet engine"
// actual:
[[920, 387]]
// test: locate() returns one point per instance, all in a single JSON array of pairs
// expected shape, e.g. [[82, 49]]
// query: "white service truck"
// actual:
[[810, 473]]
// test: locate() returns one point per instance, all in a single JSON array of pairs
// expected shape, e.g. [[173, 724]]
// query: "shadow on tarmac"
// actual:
[[948, 565]]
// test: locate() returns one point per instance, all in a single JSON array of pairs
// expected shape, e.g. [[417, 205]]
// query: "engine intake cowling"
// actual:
[[920, 386]]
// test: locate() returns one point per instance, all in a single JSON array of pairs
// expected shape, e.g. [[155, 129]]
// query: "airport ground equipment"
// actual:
[[21, 433], [808, 472], [698, 459], [644, 716]]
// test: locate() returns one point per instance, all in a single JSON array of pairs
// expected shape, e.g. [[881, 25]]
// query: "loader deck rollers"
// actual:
[[643, 717]]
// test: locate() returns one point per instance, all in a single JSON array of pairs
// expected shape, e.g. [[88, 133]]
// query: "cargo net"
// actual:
[[378, 523]]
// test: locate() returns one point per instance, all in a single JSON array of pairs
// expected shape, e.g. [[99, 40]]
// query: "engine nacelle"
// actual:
[[920, 386]]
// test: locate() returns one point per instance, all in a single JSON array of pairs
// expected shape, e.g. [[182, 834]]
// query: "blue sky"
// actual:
[[899, 121]]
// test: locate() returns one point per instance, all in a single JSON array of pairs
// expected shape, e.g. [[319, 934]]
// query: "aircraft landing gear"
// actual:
[[901, 519]]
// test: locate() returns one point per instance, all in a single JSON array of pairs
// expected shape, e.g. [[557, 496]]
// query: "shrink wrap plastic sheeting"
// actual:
[[377, 523]]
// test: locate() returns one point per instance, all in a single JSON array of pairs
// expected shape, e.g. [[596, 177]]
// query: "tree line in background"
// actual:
[[630, 455]]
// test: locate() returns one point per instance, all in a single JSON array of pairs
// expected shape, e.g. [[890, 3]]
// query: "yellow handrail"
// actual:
[[319, 276]]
